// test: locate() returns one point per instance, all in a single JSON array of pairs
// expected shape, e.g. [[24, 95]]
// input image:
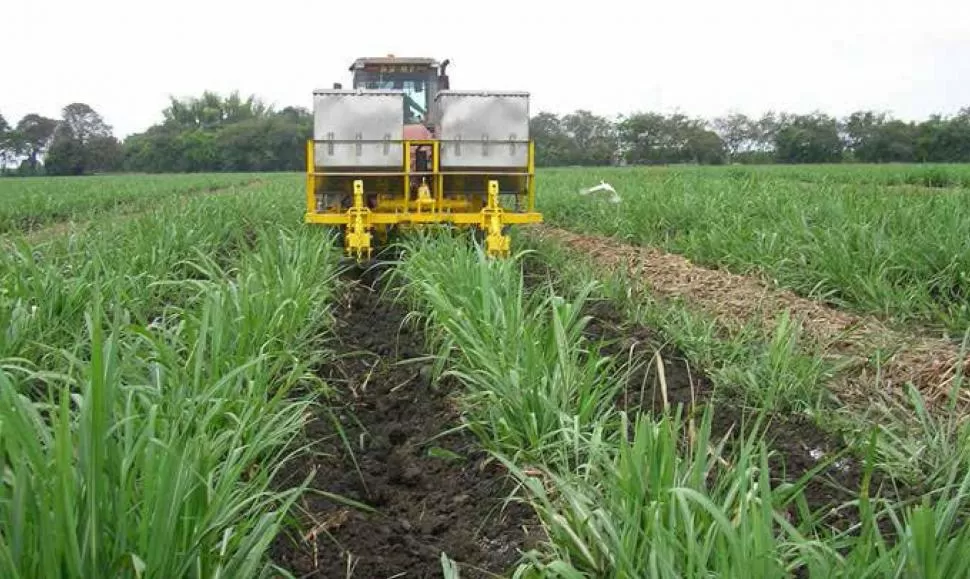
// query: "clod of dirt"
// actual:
[[424, 375], [427, 503]]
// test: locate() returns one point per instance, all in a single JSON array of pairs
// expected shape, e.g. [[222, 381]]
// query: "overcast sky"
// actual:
[[703, 58]]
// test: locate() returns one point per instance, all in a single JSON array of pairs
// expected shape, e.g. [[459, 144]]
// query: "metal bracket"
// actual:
[[496, 243], [357, 239], [330, 143], [360, 146]]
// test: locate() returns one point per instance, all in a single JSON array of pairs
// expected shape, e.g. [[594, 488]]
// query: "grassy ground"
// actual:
[[893, 175], [155, 371], [626, 493], [29, 203], [903, 257]]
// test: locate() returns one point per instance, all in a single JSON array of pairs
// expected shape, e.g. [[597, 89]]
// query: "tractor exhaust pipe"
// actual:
[[443, 83]]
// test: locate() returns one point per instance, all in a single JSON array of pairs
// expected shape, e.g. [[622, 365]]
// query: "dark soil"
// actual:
[[795, 443], [637, 344], [427, 502]]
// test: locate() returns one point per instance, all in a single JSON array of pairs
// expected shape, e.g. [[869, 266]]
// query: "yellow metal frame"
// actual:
[[397, 208]]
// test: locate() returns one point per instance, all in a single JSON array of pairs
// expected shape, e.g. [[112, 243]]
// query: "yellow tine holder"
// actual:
[[358, 239]]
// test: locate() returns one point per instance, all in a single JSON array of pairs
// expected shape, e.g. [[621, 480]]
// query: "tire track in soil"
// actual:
[[426, 505], [932, 364], [796, 445]]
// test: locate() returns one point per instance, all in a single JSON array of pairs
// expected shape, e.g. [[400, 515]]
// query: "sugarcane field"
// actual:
[[480, 339]]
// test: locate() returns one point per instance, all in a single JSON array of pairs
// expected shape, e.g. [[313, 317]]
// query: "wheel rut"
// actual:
[[932, 364], [666, 378], [432, 493]]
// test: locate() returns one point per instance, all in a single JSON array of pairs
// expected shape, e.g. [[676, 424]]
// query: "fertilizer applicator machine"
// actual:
[[400, 149]]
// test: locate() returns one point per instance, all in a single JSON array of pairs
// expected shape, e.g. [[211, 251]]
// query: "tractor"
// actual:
[[400, 149]]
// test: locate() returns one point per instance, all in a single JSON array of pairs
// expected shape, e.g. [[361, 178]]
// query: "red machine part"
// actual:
[[416, 133]]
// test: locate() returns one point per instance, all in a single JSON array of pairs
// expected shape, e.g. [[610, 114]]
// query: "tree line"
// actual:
[[582, 138], [210, 133], [214, 133], [80, 142]]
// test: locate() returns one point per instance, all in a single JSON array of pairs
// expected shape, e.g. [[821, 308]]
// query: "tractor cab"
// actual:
[[419, 78]]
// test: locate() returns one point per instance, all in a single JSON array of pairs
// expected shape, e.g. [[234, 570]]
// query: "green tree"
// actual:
[[875, 138], [655, 138], [705, 147], [273, 143], [288, 133], [299, 116], [813, 138], [65, 157], [8, 144], [157, 150], [251, 140], [747, 139], [551, 141], [211, 110], [946, 140], [105, 154], [644, 138], [897, 142], [592, 139], [198, 151], [82, 143], [82, 123], [34, 136], [738, 132], [861, 128]]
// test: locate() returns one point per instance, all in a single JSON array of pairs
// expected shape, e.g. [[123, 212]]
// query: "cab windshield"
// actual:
[[415, 92]]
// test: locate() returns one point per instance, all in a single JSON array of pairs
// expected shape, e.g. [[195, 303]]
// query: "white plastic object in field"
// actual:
[[603, 186]]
